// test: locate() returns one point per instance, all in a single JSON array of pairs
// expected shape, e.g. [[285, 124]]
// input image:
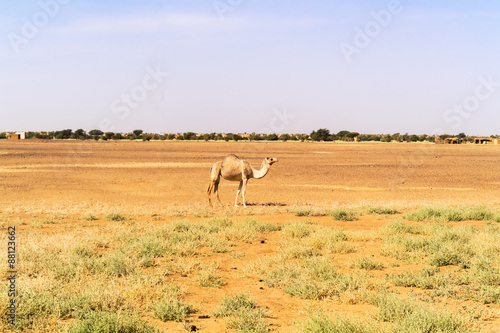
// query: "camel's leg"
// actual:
[[214, 181], [245, 182], [237, 194], [216, 189], [209, 191]]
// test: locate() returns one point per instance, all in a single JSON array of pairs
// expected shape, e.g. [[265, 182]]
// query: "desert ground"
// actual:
[[96, 224]]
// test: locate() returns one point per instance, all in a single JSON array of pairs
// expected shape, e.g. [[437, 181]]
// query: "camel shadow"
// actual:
[[266, 204]]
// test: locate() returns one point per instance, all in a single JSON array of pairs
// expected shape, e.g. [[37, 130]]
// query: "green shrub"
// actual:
[[303, 213], [344, 215], [211, 281], [450, 214], [367, 263], [242, 314], [399, 227], [172, 309], [98, 322], [412, 317], [426, 278], [230, 305], [319, 323], [115, 217], [382, 211], [151, 247], [296, 230], [90, 217]]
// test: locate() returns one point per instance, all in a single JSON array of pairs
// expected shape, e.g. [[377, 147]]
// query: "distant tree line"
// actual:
[[321, 134]]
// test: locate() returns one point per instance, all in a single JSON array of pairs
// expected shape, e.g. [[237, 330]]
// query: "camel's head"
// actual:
[[271, 160]]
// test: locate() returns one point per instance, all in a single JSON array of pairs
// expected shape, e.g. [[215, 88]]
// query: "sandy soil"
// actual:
[[145, 179], [176, 174]]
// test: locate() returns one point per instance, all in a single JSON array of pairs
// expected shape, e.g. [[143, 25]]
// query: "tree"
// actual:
[[461, 135], [64, 134], [284, 137], [342, 134], [386, 138], [255, 137], [147, 137], [351, 135], [110, 135], [79, 134], [303, 137], [137, 132], [95, 132], [189, 136], [320, 135], [272, 137]]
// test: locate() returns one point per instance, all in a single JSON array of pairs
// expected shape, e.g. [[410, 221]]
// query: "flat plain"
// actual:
[[335, 234]]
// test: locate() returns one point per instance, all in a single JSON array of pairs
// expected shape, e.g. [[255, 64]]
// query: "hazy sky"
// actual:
[[421, 66]]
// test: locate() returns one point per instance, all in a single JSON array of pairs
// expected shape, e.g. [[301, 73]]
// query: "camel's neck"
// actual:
[[257, 174]]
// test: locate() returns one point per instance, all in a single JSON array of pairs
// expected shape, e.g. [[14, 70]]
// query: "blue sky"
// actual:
[[251, 66]]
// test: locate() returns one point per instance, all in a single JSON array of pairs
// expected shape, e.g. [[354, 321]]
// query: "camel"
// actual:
[[235, 169]]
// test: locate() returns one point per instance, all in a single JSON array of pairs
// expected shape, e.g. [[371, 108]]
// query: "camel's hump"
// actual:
[[231, 158]]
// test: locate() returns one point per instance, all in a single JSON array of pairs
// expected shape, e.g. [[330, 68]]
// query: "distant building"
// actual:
[[485, 141], [16, 136], [454, 141]]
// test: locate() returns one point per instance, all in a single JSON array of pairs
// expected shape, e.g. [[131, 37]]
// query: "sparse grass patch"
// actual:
[[209, 280], [238, 255], [90, 217], [230, 305], [399, 227], [308, 278], [409, 316], [367, 263], [115, 217], [318, 322], [344, 215], [111, 322], [172, 309], [247, 230], [330, 239], [496, 217], [382, 211], [441, 246], [445, 214], [302, 212], [305, 212], [242, 314], [426, 278], [296, 230]]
